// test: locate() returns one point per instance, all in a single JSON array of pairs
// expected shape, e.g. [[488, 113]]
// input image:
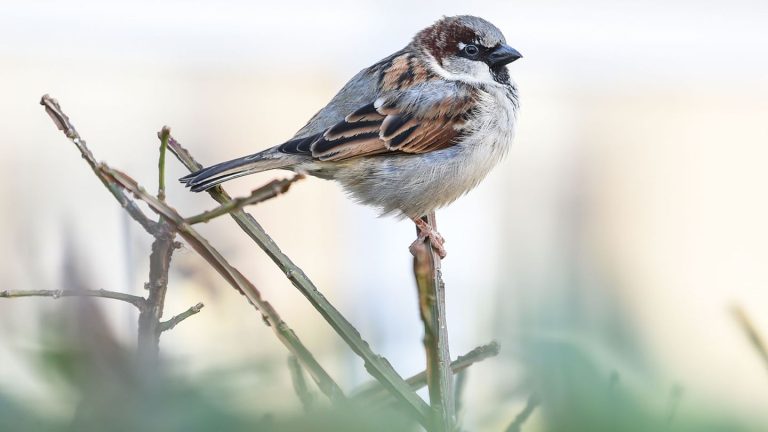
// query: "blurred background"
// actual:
[[604, 254]]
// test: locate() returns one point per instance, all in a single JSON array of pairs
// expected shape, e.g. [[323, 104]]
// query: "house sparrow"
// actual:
[[410, 134]]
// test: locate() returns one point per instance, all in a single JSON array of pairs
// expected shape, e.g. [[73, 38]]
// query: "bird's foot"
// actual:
[[425, 231]]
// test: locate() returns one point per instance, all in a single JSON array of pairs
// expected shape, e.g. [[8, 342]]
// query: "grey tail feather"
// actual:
[[213, 175]]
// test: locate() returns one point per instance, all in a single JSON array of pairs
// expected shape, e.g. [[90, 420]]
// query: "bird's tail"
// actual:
[[207, 178]]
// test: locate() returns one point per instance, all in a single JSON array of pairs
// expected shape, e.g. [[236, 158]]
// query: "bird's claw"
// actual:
[[425, 231]]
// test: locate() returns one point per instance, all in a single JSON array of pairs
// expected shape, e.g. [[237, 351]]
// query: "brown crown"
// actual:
[[441, 38]]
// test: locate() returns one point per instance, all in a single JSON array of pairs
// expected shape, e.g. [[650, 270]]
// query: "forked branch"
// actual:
[[118, 182]]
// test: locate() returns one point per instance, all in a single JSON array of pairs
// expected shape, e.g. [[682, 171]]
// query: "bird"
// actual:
[[411, 133]]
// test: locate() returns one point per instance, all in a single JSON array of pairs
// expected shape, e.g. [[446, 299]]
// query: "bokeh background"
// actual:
[[606, 251]]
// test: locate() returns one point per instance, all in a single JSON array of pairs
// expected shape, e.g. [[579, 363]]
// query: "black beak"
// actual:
[[502, 55]]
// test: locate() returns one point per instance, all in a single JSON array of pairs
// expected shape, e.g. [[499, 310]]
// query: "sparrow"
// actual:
[[410, 134]]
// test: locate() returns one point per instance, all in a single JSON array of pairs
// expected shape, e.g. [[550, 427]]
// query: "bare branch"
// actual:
[[426, 268], [137, 301], [264, 193], [159, 266], [517, 423], [376, 365], [374, 389], [174, 321], [62, 122], [116, 180], [300, 385]]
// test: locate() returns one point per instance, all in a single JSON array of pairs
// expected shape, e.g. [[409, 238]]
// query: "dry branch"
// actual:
[[376, 365], [426, 268], [62, 122], [174, 321], [137, 301], [264, 193], [159, 266], [116, 182]]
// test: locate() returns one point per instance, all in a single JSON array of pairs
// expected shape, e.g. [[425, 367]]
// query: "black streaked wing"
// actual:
[[405, 122]]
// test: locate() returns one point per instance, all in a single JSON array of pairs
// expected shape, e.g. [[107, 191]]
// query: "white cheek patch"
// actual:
[[474, 72], [481, 72]]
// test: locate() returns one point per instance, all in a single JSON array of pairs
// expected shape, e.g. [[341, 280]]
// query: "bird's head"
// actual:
[[466, 48]]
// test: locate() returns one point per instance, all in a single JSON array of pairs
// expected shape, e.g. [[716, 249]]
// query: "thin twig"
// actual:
[[165, 132], [520, 418], [62, 122], [374, 389], [426, 268], [174, 321], [110, 178], [137, 301], [300, 384], [264, 193], [376, 365], [754, 336]]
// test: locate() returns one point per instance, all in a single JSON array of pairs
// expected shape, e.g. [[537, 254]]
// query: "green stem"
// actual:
[[165, 133]]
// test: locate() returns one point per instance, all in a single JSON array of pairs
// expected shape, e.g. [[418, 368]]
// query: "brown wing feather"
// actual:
[[389, 127]]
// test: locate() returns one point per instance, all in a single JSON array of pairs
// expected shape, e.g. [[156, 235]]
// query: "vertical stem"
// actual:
[[159, 265], [426, 267], [165, 133], [150, 315]]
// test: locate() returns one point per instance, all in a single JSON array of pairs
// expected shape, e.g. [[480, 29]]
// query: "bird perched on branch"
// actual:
[[410, 134]]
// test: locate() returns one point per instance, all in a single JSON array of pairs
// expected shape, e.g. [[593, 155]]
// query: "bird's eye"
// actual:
[[471, 50]]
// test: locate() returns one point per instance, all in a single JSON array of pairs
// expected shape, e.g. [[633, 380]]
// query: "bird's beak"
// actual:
[[502, 55]]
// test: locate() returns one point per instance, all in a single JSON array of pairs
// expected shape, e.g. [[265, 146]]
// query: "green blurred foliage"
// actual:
[[96, 379]]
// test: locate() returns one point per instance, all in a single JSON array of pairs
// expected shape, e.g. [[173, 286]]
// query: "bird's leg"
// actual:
[[425, 231]]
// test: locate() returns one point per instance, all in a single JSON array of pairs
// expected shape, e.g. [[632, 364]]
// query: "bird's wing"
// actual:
[[418, 119], [362, 89]]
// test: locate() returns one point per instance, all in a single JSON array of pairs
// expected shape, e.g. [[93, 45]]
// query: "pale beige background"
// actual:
[[628, 217]]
